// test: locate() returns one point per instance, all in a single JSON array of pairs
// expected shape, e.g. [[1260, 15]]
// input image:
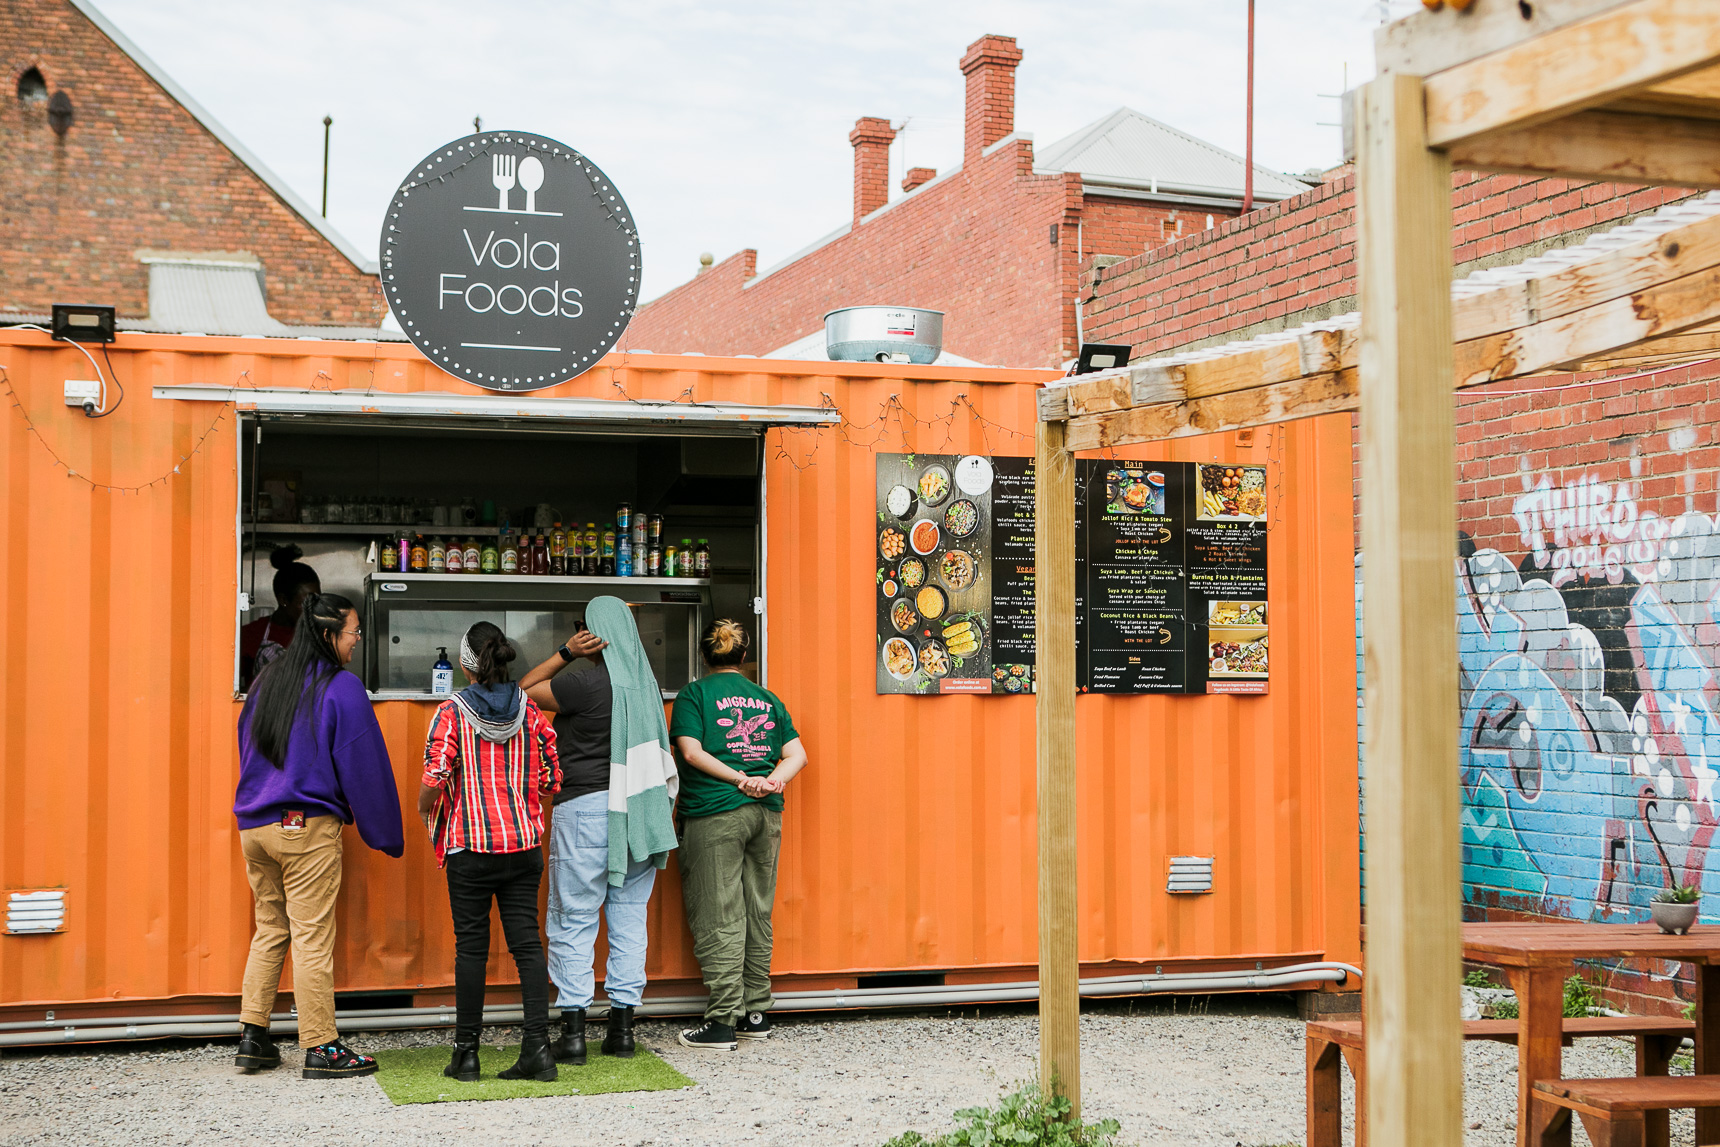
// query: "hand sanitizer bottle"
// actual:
[[442, 677]]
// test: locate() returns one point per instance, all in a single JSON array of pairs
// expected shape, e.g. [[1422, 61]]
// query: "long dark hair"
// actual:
[[491, 647], [304, 670]]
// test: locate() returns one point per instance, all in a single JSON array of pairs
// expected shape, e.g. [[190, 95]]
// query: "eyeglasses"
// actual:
[[359, 632]]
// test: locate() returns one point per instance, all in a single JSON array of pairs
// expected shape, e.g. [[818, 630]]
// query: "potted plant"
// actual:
[[1675, 909]]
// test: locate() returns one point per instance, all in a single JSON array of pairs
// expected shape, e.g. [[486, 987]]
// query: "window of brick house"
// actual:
[[32, 88]]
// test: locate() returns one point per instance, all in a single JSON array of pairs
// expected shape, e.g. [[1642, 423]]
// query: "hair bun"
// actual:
[[504, 652], [283, 556]]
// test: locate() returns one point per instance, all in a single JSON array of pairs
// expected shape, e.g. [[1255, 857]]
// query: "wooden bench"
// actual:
[[1615, 1112], [1657, 1037]]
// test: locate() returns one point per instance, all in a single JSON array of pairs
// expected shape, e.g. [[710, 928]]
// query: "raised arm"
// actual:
[[535, 683]]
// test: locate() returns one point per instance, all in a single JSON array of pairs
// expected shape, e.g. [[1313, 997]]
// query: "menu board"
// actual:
[[1170, 577]]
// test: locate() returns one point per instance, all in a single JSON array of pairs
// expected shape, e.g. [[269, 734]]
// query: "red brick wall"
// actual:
[[1291, 257], [136, 171]]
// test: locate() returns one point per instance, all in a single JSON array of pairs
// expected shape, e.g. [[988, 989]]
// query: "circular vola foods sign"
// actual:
[[510, 260]]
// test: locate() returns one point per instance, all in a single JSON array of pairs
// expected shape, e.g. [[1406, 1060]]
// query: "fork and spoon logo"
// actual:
[[509, 171]]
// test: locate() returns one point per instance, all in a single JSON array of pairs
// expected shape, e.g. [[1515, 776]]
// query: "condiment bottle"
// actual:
[[685, 568], [702, 559], [420, 555], [510, 555], [558, 550], [438, 556], [472, 555], [671, 561], [540, 555], [490, 558], [442, 674], [390, 556], [593, 555], [456, 559]]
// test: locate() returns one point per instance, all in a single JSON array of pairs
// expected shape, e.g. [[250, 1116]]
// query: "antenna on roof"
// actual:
[[477, 124], [328, 123]]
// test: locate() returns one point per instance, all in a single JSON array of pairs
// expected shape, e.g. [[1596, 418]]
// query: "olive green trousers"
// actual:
[[728, 881]]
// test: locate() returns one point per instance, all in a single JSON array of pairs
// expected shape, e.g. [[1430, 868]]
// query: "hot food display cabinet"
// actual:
[[411, 618]]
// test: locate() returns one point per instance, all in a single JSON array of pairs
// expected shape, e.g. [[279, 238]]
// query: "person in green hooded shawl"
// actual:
[[613, 825]]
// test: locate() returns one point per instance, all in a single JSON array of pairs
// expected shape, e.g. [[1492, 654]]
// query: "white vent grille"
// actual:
[[42, 911], [1190, 874]]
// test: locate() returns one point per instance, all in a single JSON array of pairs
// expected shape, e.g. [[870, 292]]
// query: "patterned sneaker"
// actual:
[[712, 1035], [335, 1060], [752, 1025]]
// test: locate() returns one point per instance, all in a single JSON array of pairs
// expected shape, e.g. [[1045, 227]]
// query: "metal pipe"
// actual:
[[1248, 146], [328, 125], [116, 1028]]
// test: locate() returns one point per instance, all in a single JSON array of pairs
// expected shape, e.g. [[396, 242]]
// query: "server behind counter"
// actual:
[[265, 639]]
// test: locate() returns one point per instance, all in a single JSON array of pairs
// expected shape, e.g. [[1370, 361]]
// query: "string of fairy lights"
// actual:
[[59, 463]]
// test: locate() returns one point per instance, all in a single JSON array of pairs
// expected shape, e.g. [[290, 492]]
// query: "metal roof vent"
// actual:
[[1190, 874], [884, 334], [40, 911]]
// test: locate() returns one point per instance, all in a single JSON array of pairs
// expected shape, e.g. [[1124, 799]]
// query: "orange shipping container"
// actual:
[[909, 842]]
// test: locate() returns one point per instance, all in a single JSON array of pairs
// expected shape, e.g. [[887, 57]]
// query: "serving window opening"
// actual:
[[391, 514]]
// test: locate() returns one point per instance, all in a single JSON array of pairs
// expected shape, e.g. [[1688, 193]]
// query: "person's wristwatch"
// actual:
[[567, 655]]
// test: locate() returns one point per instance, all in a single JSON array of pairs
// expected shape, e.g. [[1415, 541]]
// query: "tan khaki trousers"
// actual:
[[295, 879]]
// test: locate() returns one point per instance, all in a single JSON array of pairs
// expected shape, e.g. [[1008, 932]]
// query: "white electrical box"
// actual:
[[80, 391]]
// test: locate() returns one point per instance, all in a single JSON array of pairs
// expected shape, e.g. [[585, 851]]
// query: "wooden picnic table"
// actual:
[[1538, 958]]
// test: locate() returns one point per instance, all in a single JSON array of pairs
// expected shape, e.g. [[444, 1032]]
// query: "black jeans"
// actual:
[[512, 879]]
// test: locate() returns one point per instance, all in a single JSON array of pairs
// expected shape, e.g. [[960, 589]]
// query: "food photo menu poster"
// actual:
[[1170, 576]]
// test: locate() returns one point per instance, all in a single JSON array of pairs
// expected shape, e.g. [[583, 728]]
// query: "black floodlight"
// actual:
[[1101, 356], [83, 323]]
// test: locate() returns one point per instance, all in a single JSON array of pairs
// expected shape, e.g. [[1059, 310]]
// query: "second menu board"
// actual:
[[1170, 576]]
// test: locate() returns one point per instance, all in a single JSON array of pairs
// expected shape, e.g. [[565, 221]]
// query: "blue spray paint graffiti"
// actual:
[[1591, 752]]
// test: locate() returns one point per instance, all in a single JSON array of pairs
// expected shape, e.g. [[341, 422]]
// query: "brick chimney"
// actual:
[[917, 176], [990, 70], [871, 139]]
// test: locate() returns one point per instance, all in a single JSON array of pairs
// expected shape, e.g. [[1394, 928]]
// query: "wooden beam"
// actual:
[[1570, 339], [1409, 548], [1260, 406], [1054, 708], [1431, 41], [1608, 56], [1603, 145]]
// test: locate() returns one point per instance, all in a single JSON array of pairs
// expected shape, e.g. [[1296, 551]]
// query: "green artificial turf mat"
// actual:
[[414, 1075]]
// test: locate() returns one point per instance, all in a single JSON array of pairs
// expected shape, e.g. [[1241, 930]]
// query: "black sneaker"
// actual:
[[752, 1025], [710, 1034], [335, 1060]]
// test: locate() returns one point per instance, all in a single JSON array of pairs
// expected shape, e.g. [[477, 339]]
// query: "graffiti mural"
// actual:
[[1590, 694]]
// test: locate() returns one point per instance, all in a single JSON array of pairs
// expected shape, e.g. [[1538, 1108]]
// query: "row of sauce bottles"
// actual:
[[554, 553]]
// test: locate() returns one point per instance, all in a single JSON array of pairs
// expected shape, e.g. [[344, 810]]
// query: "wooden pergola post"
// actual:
[[1054, 707], [1409, 548]]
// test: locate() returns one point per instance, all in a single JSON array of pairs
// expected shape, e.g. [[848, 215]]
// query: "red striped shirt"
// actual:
[[492, 792]]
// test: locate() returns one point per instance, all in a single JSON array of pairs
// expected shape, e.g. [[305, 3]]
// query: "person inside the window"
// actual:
[[265, 639]]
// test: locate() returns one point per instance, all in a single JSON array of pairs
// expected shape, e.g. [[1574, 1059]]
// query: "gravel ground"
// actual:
[[1217, 1077]]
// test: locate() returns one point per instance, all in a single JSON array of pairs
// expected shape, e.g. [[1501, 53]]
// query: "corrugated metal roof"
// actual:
[[214, 298], [1132, 150]]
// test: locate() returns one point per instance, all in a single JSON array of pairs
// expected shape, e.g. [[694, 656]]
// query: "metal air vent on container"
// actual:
[[1190, 874], [43, 910], [884, 334]]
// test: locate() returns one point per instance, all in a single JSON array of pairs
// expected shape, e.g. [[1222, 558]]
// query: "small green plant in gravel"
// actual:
[[1477, 978], [1581, 999], [1027, 1117]]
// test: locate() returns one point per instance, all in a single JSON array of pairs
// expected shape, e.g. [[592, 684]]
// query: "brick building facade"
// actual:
[[1587, 571], [135, 168], [997, 243]]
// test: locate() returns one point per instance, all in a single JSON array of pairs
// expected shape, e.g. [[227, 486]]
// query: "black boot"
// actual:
[[618, 1039], [570, 1048], [334, 1060], [536, 1061], [464, 1065], [256, 1052]]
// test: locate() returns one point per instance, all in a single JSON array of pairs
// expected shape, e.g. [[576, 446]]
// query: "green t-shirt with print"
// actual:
[[741, 724]]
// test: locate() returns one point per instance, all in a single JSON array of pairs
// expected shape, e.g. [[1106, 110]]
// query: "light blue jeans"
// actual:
[[578, 888]]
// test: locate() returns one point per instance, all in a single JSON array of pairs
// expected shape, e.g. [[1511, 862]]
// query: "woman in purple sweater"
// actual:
[[311, 758]]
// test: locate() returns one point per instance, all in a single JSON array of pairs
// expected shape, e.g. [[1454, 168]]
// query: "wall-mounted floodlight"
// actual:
[[83, 323]]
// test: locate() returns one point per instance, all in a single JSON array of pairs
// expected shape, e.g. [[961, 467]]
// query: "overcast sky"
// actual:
[[726, 125]]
